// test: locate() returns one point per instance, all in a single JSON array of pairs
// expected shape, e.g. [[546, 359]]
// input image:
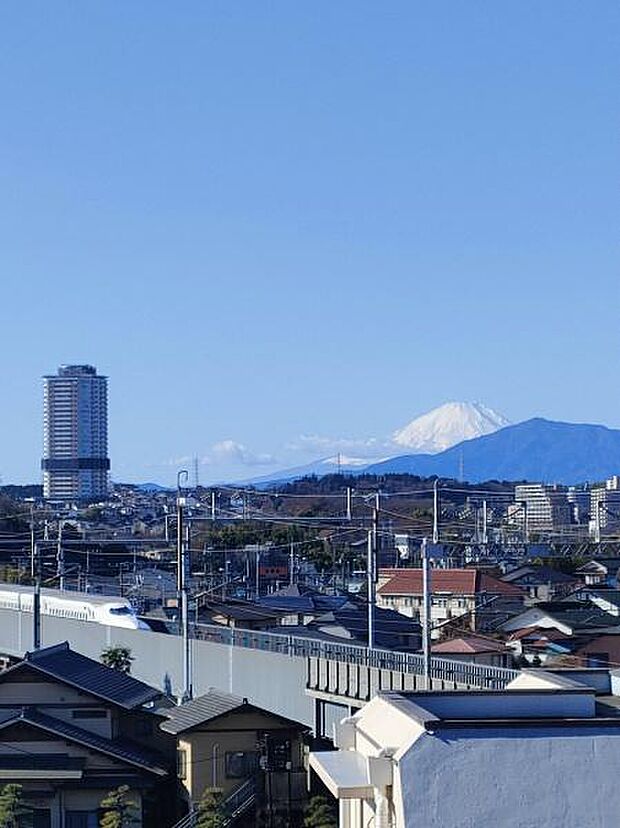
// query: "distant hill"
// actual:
[[537, 450], [319, 468]]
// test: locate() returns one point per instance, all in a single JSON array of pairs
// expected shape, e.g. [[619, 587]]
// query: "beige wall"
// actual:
[[206, 749]]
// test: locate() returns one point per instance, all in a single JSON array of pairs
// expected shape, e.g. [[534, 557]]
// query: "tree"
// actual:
[[118, 810], [320, 813], [210, 809], [11, 808], [118, 658]]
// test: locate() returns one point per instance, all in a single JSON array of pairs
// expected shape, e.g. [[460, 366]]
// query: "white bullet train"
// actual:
[[79, 606]]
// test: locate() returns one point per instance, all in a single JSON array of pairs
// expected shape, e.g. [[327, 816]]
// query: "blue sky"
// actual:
[[269, 220]]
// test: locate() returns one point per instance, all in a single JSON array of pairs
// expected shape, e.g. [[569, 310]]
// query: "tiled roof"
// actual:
[[208, 707], [469, 644], [577, 614], [119, 749], [539, 575], [63, 663], [612, 596], [449, 581], [198, 711]]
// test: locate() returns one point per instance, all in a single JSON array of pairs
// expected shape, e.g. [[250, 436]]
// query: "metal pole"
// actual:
[[426, 621], [36, 603], [597, 522], [213, 505], [182, 608], [484, 523], [32, 540], [60, 557], [370, 586], [436, 511], [257, 573], [291, 565], [371, 568], [187, 664], [349, 514]]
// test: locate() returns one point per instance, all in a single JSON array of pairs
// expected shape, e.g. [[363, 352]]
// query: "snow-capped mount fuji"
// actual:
[[448, 425]]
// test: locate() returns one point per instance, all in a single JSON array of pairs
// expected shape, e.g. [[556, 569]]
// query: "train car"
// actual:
[[79, 606]]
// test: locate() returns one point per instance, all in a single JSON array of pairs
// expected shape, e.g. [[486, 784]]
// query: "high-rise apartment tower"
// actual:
[[75, 460]]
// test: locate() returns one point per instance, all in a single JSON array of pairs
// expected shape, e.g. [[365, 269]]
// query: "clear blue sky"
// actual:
[[267, 220]]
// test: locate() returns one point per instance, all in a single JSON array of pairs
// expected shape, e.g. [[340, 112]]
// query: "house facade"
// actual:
[[224, 742], [472, 599], [72, 730]]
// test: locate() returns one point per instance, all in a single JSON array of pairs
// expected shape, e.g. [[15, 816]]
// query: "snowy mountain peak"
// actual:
[[448, 425]]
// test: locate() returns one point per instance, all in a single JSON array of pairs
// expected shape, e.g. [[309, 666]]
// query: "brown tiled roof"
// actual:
[[451, 581], [469, 644]]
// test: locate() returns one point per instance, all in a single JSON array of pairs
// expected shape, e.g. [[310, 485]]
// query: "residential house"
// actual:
[[243, 615], [468, 598], [348, 624], [255, 757], [532, 754], [599, 572], [474, 649], [72, 729], [570, 617], [542, 583]]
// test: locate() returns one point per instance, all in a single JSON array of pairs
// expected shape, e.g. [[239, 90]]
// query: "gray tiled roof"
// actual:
[[121, 750], [198, 711], [64, 664]]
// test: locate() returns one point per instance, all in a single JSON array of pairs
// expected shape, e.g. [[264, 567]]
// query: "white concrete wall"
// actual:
[[271, 680]]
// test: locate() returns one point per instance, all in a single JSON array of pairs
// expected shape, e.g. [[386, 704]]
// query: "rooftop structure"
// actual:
[[409, 759]]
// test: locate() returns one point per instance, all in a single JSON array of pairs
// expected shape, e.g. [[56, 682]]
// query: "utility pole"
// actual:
[[213, 505], [182, 603], [32, 540], [291, 565], [60, 557], [349, 511], [485, 539], [426, 624], [257, 574], [36, 600], [436, 511], [371, 572]]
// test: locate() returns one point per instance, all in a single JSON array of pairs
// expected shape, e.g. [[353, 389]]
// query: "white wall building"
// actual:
[[75, 460], [605, 507], [540, 753], [540, 507]]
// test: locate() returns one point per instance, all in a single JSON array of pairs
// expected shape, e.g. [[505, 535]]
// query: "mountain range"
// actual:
[[535, 450], [479, 444]]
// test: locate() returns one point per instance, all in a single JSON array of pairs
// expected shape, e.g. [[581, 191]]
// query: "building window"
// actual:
[[182, 763], [240, 764]]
